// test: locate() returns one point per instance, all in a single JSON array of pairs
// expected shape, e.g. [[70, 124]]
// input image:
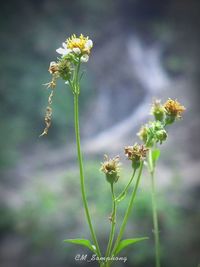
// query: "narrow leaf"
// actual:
[[155, 155], [82, 242], [126, 242], [121, 196]]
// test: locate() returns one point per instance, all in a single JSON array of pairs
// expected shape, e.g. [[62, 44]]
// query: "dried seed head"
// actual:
[[47, 120], [53, 68], [135, 153], [51, 84], [111, 168], [173, 110]]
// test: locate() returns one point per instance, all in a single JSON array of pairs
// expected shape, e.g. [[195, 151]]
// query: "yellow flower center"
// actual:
[[78, 42]]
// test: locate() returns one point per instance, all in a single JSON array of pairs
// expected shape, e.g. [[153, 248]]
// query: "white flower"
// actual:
[[89, 44], [84, 58], [77, 50], [63, 50]]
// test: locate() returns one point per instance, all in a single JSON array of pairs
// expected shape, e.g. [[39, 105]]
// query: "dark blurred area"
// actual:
[[142, 49]]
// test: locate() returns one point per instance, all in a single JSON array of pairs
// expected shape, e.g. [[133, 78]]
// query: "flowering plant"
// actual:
[[74, 52]]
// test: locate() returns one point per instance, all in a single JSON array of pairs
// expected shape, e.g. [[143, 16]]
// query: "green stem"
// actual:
[[76, 121], [113, 221], [127, 186], [128, 211], [154, 209]]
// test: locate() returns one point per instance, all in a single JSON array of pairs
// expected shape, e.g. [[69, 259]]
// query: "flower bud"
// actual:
[[84, 58], [76, 50], [158, 110], [161, 135], [143, 133], [111, 169]]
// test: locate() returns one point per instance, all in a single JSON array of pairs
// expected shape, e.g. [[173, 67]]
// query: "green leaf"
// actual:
[[82, 242], [121, 196], [155, 155], [126, 242]]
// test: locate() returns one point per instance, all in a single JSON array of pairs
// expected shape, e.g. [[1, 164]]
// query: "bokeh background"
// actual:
[[142, 49]]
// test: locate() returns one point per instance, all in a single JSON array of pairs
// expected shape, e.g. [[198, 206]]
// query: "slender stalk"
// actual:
[[154, 210], [76, 121], [127, 186], [113, 223], [128, 211]]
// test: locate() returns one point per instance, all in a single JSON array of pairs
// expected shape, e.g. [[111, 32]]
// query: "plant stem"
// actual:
[[128, 211], [113, 221], [154, 209], [80, 161], [127, 186]]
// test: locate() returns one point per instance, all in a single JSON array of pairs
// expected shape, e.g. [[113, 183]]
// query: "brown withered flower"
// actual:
[[111, 168], [47, 119], [174, 108], [135, 153], [53, 68]]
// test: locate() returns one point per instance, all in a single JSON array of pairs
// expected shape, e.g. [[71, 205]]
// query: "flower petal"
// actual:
[[76, 50], [60, 50], [89, 44], [64, 45]]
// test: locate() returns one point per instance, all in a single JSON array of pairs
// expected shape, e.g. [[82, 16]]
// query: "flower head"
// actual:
[[135, 153], [111, 168], [80, 44], [173, 110], [158, 110], [76, 46]]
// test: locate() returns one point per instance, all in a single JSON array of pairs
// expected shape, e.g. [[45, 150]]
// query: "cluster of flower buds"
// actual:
[[155, 132], [152, 133]]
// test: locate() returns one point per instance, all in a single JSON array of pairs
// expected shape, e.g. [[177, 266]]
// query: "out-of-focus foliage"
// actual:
[[44, 219], [30, 33]]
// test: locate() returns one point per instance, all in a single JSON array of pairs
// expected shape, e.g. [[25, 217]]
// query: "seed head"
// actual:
[[136, 154], [53, 68], [111, 168], [173, 110]]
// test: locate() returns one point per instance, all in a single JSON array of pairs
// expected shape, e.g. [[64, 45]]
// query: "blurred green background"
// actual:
[[142, 49]]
